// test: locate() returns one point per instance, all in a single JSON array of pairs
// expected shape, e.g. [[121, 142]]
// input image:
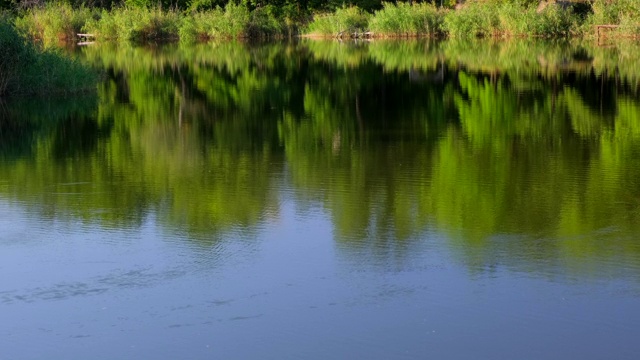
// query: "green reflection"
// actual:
[[482, 141]]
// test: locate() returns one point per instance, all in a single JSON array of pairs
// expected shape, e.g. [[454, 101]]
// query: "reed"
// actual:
[[344, 20], [403, 19], [230, 22], [267, 22], [474, 20], [625, 13], [53, 23], [135, 24], [495, 19]]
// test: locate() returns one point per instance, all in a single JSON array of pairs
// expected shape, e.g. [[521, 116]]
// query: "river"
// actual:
[[327, 200]]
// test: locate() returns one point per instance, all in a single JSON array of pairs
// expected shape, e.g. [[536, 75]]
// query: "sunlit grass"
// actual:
[[53, 23], [403, 19], [345, 20], [135, 24]]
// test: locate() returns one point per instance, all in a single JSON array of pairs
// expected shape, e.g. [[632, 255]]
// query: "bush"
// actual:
[[613, 12], [135, 24], [625, 13], [265, 22], [555, 22], [510, 18], [404, 19], [475, 19], [53, 23], [343, 20], [629, 26], [230, 22]]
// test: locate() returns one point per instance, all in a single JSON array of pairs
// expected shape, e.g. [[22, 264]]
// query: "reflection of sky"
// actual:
[[287, 291]]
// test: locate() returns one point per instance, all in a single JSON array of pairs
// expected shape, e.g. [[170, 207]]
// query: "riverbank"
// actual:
[[483, 19], [61, 22]]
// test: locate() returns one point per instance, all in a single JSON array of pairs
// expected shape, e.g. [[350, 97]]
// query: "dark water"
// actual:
[[326, 200]]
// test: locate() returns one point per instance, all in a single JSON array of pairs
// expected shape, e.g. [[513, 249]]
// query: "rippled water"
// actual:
[[321, 200]]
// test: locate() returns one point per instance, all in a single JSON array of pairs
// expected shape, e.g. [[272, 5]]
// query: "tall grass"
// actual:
[[53, 23], [265, 22], [625, 13], [344, 20], [510, 19], [474, 20], [135, 24], [403, 19], [26, 69], [230, 22], [59, 21]]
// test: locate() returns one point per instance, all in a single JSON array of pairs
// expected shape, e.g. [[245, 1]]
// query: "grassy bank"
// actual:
[[487, 18], [25, 69], [55, 23]]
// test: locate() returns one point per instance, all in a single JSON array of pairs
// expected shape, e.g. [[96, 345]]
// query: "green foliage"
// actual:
[[613, 12], [142, 20], [138, 3], [475, 19], [230, 22], [403, 19], [265, 22], [510, 19], [135, 24], [25, 69], [54, 23], [343, 20], [630, 25], [555, 22]]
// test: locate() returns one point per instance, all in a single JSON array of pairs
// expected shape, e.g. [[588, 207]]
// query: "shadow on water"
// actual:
[[517, 151]]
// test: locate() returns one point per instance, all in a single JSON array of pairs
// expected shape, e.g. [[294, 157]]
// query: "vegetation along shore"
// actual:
[[191, 20]]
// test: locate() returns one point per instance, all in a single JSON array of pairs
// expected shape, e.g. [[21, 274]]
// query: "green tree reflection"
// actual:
[[481, 141]]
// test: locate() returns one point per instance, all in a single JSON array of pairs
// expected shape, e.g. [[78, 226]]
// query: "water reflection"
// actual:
[[520, 152]]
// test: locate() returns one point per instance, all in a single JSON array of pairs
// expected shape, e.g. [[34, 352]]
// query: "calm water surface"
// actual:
[[327, 200]]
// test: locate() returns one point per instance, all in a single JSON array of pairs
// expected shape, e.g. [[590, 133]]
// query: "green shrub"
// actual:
[[555, 22], [404, 19], [230, 22], [629, 26], [516, 19], [613, 12], [474, 20], [55, 22], [188, 30], [343, 20], [265, 22], [135, 24], [625, 13], [510, 19], [323, 24], [233, 21]]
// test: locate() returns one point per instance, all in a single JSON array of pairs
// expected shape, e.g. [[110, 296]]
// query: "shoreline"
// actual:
[[392, 21]]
